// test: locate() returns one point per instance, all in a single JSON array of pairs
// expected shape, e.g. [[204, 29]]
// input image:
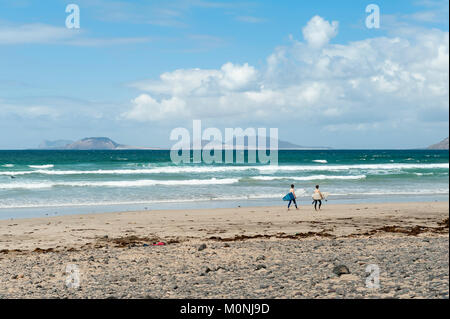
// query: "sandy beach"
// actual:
[[242, 252]]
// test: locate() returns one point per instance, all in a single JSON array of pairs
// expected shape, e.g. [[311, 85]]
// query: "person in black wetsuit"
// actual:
[[293, 198]]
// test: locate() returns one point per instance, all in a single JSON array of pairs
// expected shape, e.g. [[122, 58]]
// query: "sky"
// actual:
[[135, 70]]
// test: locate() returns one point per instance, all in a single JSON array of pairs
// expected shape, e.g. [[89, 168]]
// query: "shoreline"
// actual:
[[334, 220], [16, 213]]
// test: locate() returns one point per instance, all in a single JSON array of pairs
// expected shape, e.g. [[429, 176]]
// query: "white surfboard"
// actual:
[[316, 196]]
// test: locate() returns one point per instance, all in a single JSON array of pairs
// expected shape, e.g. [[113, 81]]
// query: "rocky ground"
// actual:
[[409, 266]]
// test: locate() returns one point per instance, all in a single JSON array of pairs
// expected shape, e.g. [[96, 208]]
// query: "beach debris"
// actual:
[[341, 270], [408, 230], [444, 223], [160, 243], [278, 235], [201, 247], [130, 241], [43, 251]]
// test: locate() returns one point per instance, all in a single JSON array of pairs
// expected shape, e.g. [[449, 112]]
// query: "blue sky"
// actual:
[[137, 69]]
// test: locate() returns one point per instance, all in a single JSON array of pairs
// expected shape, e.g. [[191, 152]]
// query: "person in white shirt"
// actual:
[[317, 198]]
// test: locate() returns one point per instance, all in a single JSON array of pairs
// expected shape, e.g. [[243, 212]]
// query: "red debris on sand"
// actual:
[[159, 244]]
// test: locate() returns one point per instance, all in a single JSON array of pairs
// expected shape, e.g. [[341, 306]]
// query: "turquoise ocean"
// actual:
[[48, 183]]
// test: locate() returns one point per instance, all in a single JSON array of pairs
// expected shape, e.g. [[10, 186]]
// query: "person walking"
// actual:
[[292, 197], [317, 198]]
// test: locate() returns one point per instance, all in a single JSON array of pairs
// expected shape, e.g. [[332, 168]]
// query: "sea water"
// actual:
[[47, 183]]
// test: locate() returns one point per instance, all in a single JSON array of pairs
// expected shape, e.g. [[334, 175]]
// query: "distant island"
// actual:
[[282, 145], [54, 144], [88, 143], [105, 143], [442, 145]]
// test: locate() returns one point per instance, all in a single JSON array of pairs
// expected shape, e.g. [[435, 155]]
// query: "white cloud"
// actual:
[[147, 108], [319, 32], [53, 107], [235, 77], [198, 82], [34, 33], [369, 84], [38, 33], [29, 111]]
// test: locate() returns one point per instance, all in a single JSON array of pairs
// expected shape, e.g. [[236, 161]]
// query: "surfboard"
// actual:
[[289, 196], [316, 196]]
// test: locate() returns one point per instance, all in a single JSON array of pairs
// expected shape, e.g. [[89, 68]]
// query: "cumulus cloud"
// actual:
[[201, 82], [147, 108], [319, 32], [367, 84]]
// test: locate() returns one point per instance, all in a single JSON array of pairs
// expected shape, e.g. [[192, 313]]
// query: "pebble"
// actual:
[[260, 266], [341, 270]]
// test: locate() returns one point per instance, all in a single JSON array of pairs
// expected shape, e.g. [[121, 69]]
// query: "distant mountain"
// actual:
[[282, 145], [442, 145], [88, 143], [105, 143], [58, 144], [95, 143]]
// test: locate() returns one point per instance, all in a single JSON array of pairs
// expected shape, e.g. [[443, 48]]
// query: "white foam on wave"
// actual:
[[121, 184], [356, 166], [216, 169], [320, 161], [8, 165], [299, 192], [423, 174], [41, 166], [309, 178], [147, 202], [396, 193], [26, 185]]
